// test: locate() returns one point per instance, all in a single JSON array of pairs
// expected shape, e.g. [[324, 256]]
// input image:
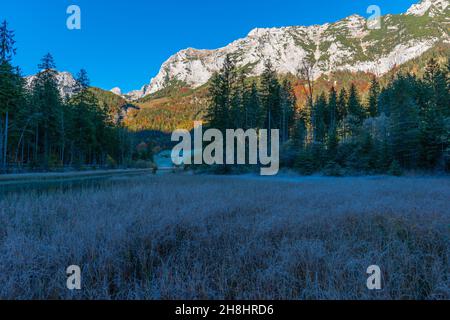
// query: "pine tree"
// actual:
[[253, 107], [332, 107], [48, 103], [332, 136], [437, 79], [341, 113], [11, 90], [238, 112], [374, 93], [88, 118], [404, 130], [220, 92], [270, 97], [332, 142], [319, 114], [287, 101], [356, 113], [7, 43], [354, 105], [299, 133], [434, 100]]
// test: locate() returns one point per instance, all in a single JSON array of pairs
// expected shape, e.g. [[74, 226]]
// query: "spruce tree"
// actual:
[[7, 43], [238, 112], [332, 143], [319, 114], [436, 78], [270, 97], [287, 101], [434, 101], [374, 93], [354, 105], [87, 119], [332, 113], [48, 103], [12, 93], [341, 113], [253, 107], [342, 110], [404, 129], [220, 92]]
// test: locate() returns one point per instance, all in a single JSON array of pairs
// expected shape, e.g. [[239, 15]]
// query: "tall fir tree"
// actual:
[[220, 92], [48, 103], [7, 43], [404, 128], [270, 97], [12, 92], [374, 93], [253, 107], [332, 112], [287, 101], [434, 102], [320, 115], [354, 105]]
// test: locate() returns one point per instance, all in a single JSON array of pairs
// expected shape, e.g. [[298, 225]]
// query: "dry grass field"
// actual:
[[200, 237]]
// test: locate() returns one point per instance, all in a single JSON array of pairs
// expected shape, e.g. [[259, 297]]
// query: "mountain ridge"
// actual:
[[348, 44], [66, 83]]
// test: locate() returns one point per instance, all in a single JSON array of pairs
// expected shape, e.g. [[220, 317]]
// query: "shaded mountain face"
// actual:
[[347, 45]]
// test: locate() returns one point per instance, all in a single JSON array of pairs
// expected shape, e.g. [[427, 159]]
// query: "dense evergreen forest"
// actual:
[[42, 130], [404, 125]]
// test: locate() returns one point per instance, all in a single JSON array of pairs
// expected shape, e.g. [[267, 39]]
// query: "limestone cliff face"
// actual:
[[349, 44]]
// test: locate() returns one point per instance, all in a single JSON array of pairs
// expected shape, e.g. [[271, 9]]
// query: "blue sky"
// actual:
[[124, 43]]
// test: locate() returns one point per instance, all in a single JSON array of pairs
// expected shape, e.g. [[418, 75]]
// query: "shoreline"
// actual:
[[44, 176]]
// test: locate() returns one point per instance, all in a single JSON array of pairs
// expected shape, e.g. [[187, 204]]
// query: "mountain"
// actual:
[[116, 91], [430, 7], [347, 45], [117, 106], [66, 83]]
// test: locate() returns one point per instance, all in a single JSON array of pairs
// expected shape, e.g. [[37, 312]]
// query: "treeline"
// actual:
[[40, 129], [236, 102], [403, 125]]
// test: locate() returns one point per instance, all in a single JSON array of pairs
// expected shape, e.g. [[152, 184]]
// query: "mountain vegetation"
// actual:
[[351, 44], [404, 124], [350, 115]]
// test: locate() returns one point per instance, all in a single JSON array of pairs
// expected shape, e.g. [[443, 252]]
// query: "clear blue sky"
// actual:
[[123, 43]]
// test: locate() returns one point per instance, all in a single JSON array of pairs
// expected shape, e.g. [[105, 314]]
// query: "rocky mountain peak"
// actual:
[[116, 91], [66, 83], [432, 7], [348, 44]]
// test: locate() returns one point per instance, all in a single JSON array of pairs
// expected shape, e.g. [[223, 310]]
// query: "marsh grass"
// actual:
[[199, 237]]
